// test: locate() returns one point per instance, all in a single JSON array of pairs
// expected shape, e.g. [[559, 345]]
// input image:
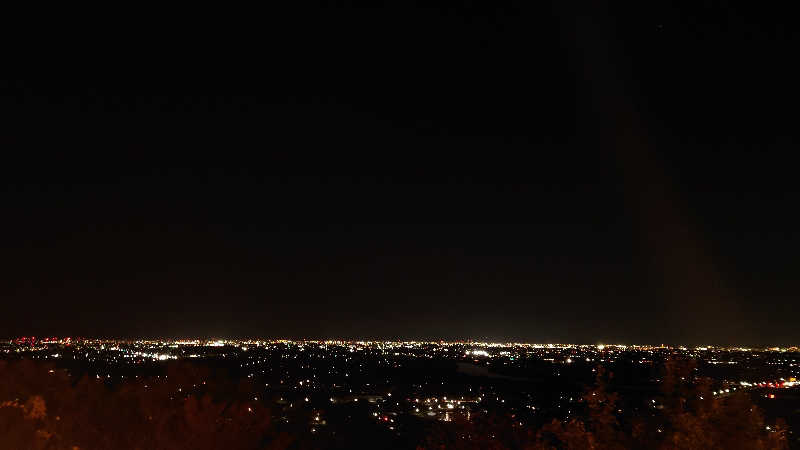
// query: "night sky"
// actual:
[[506, 171]]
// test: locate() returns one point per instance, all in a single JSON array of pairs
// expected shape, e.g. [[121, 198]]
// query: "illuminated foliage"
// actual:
[[148, 414]]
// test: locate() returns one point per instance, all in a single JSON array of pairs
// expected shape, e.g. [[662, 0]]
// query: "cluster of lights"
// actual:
[[293, 366]]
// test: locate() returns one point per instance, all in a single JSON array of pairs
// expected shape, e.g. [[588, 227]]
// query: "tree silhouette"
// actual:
[[59, 413], [687, 417]]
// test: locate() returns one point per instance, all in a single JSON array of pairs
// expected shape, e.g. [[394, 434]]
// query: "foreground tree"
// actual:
[[685, 415], [148, 414]]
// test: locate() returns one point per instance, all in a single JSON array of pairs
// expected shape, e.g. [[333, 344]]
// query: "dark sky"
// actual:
[[491, 170]]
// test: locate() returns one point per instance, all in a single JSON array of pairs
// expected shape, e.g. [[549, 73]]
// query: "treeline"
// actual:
[[41, 407]]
